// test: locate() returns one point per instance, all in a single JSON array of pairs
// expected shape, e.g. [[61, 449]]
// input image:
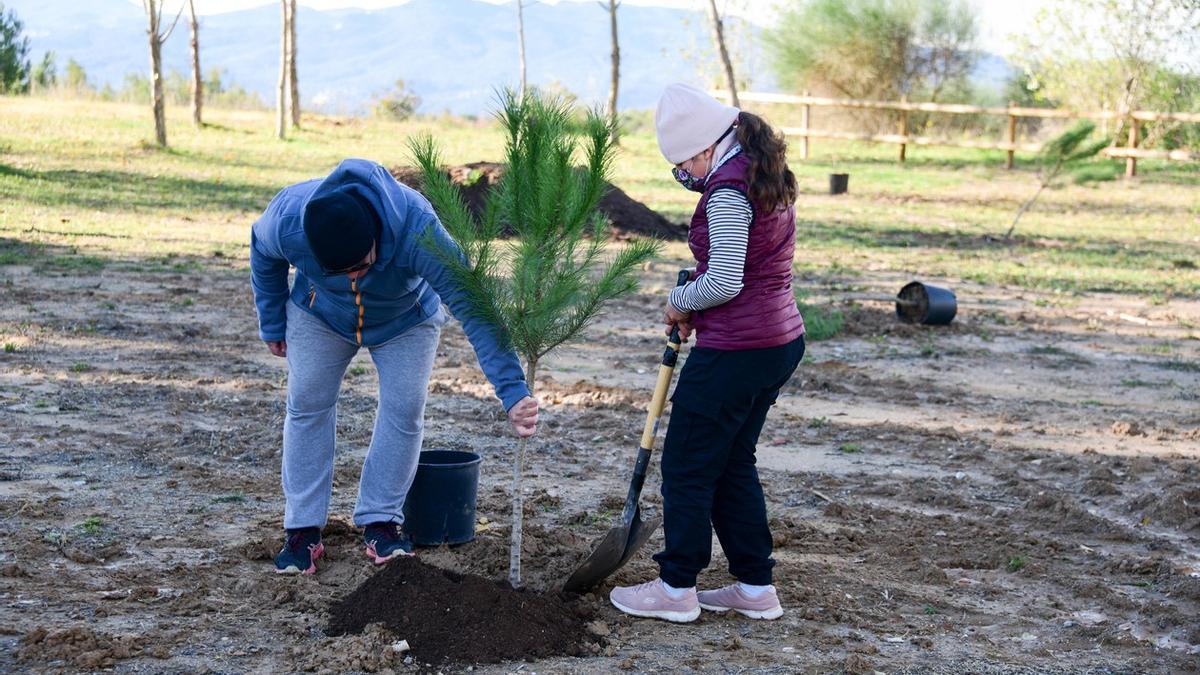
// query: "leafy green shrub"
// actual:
[[398, 104]]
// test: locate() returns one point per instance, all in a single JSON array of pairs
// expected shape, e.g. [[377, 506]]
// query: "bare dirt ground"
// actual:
[[1017, 492]]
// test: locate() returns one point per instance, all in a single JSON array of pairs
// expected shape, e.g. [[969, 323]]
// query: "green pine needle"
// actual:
[[548, 283]]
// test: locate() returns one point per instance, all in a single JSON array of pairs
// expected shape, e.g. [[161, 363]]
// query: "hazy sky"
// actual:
[[999, 18]]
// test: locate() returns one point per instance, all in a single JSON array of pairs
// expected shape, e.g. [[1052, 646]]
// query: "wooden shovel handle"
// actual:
[[659, 400]]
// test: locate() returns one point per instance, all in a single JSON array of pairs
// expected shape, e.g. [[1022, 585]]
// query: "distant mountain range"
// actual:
[[451, 53]]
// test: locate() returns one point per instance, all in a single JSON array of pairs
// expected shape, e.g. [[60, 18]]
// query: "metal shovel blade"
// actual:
[[639, 534], [614, 549], [605, 558]]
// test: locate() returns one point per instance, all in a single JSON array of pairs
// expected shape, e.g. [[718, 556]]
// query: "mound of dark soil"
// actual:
[[627, 217], [448, 617]]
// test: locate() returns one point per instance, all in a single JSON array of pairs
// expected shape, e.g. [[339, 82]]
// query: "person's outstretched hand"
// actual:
[[278, 348], [523, 417]]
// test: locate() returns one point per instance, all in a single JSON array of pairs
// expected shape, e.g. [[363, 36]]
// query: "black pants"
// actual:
[[709, 480]]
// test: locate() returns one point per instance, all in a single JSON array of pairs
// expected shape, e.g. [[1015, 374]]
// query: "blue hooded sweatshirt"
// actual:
[[406, 285]]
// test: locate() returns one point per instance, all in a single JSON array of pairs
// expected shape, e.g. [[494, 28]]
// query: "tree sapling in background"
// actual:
[[1064, 151]]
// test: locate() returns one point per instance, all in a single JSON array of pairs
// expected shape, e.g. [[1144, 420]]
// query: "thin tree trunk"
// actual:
[[1024, 208], [518, 497], [521, 42], [156, 88], [286, 46], [281, 93], [197, 80], [616, 64], [293, 82], [718, 32]]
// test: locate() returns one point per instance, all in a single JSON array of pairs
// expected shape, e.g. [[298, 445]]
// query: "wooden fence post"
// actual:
[[805, 119], [1012, 134], [903, 128], [1131, 161]]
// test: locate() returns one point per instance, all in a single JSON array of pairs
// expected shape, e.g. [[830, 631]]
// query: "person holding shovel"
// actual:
[[366, 275], [749, 340]]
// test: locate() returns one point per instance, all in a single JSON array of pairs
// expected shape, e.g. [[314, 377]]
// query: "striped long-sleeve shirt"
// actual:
[[729, 216]]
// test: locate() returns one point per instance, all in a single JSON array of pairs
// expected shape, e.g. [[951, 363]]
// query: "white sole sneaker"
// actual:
[[674, 617], [379, 560], [768, 614]]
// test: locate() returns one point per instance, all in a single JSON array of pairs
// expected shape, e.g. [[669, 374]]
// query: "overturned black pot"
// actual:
[[440, 507], [839, 183], [929, 305]]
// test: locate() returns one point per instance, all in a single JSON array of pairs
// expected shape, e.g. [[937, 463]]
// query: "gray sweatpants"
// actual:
[[317, 358]]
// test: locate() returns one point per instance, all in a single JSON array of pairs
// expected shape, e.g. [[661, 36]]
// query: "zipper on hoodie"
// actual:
[[361, 310]]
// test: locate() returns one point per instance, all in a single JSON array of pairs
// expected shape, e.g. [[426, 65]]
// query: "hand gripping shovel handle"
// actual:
[[654, 414]]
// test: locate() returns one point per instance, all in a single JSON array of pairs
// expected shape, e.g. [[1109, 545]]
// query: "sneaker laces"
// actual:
[[646, 586]]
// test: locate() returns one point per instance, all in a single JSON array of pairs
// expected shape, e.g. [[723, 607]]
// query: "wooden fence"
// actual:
[[1131, 153]]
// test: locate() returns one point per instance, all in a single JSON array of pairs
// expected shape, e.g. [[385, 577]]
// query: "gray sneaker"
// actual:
[[651, 600], [764, 606]]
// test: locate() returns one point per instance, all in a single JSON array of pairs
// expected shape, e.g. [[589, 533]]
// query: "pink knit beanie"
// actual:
[[688, 121]]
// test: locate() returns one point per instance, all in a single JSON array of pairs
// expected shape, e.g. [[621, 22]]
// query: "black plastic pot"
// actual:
[[930, 305], [839, 183], [440, 508]]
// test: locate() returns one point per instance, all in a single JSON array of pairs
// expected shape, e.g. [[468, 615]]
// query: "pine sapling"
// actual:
[[1063, 151], [546, 284]]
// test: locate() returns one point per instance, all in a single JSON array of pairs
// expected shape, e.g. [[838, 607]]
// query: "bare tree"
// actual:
[[293, 82], [281, 93], [612, 6], [521, 40], [157, 38], [197, 80], [718, 31]]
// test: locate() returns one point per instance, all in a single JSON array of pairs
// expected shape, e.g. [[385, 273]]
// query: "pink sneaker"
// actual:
[[764, 606], [652, 600]]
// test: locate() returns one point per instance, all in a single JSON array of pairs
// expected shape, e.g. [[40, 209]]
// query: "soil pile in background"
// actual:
[[627, 217], [448, 617]]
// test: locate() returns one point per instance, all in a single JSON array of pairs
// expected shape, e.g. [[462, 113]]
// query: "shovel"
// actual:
[[623, 541]]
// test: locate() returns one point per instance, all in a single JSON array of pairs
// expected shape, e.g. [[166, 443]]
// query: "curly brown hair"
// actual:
[[772, 183]]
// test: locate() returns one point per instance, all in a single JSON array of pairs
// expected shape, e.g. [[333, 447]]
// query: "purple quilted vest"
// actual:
[[764, 314]]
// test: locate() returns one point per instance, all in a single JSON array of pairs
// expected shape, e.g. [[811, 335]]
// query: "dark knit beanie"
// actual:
[[341, 226]]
